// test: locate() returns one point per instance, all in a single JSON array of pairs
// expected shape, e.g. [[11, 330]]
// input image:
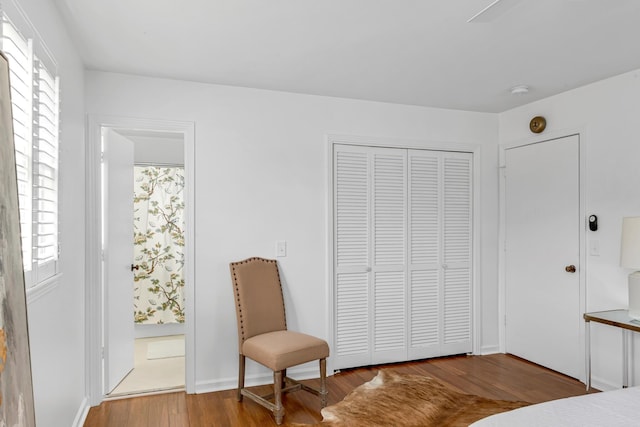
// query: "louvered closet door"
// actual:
[[370, 255], [425, 258], [439, 266], [351, 173], [389, 230], [402, 254], [457, 251]]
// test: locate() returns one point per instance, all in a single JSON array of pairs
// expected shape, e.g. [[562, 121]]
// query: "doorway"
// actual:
[[542, 254], [172, 145], [157, 265]]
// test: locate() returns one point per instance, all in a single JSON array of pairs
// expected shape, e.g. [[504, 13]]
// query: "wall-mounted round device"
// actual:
[[537, 124]]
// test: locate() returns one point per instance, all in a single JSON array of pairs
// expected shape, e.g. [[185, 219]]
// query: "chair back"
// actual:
[[258, 295]]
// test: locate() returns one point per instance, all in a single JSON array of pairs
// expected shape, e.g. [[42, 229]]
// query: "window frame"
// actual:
[[40, 134]]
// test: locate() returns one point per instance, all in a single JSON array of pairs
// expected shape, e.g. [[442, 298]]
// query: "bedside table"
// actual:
[[618, 319]]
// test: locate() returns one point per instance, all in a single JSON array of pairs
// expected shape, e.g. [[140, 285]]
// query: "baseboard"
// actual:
[[489, 349], [146, 331], [603, 385], [230, 383], [81, 415]]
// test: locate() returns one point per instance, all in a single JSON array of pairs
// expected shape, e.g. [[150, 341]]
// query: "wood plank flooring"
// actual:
[[496, 376]]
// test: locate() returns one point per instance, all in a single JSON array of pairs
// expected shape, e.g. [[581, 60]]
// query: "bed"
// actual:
[[610, 408]]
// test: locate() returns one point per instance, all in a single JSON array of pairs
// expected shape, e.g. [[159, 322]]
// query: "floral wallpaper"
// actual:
[[158, 241]]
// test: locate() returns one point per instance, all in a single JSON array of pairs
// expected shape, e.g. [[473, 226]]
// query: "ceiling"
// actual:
[[419, 52]]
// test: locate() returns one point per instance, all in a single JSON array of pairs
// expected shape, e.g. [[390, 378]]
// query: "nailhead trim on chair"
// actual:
[[235, 286]]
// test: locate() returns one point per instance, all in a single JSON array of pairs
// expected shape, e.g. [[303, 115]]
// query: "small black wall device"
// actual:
[[593, 222]]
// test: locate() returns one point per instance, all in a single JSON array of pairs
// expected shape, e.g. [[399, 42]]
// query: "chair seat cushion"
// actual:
[[282, 349]]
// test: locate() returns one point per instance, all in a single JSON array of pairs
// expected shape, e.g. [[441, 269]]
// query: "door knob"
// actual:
[[570, 268], [135, 267]]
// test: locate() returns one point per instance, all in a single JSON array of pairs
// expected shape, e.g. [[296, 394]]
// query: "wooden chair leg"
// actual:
[[278, 411], [241, 366], [323, 382]]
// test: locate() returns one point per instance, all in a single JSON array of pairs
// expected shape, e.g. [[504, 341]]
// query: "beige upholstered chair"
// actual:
[[263, 335]]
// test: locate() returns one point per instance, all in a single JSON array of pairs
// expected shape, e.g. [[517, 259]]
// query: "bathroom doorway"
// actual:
[[107, 330], [156, 360]]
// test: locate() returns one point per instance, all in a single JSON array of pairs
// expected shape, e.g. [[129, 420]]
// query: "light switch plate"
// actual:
[[281, 248]]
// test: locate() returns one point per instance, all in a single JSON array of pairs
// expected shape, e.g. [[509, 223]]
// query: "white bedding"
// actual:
[[607, 409]]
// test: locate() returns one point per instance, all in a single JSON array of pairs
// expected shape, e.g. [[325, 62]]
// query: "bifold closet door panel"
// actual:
[[370, 255], [352, 254], [389, 244], [457, 252], [440, 242], [425, 254]]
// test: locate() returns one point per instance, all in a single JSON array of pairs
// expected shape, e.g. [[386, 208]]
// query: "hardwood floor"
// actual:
[[496, 376]]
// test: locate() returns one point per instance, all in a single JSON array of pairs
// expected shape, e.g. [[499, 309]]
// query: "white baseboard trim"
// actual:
[[163, 330], [81, 415], [489, 349], [231, 383], [604, 385]]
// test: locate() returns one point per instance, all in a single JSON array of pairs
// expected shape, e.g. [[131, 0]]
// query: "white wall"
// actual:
[[261, 176], [56, 318], [606, 114]]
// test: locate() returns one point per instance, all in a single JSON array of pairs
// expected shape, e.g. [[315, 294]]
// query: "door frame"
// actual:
[[411, 144], [582, 236], [94, 303]]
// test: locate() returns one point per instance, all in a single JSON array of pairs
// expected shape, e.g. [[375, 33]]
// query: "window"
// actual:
[[35, 100]]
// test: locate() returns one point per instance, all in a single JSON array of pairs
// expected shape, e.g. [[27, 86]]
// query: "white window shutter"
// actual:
[[46, 172], [35, 107], [19, 52]]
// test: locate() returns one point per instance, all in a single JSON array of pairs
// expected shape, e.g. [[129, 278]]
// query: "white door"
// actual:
[[402, 254], [542, 289], [440, 255], [457, 220], [118, 256]]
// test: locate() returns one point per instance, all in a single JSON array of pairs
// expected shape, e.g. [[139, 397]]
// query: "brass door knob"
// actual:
[[570, 269]]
